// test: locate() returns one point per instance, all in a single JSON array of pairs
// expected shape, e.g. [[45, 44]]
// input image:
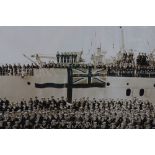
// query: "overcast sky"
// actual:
[[15, 41]]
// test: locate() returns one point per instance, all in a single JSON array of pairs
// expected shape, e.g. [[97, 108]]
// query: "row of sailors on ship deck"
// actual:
[[112, 70], [126, 66], [16, 70], [127, 57], [80, 114], [142, 59], [6, 70], [131, 71], [66, 58]]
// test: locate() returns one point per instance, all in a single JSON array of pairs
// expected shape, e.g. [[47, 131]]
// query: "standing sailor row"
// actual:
[[68, 57]]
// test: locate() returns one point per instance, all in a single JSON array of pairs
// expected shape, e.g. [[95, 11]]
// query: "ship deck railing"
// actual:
[[132, 74]]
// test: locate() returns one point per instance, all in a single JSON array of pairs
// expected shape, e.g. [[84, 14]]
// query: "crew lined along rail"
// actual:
[[110, 70]]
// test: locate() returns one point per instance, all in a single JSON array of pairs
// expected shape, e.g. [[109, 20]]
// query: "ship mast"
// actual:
[[122, 39]]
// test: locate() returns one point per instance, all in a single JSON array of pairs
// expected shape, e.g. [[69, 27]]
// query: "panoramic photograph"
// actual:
[[77, 77]]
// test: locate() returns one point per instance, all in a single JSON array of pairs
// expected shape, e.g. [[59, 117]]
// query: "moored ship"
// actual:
[[126, 76]]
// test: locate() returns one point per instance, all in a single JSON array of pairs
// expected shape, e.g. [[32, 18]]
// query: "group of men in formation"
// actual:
[[128, 66], [54, 113], [19, 70], [16, 70]]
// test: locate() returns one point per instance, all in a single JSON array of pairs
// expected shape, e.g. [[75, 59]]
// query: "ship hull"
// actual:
[[16, 88]]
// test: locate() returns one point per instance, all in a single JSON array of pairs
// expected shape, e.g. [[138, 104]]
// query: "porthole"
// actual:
[[108, 84], [29, 83], [141, 92], [127, 84], [128, 92]]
